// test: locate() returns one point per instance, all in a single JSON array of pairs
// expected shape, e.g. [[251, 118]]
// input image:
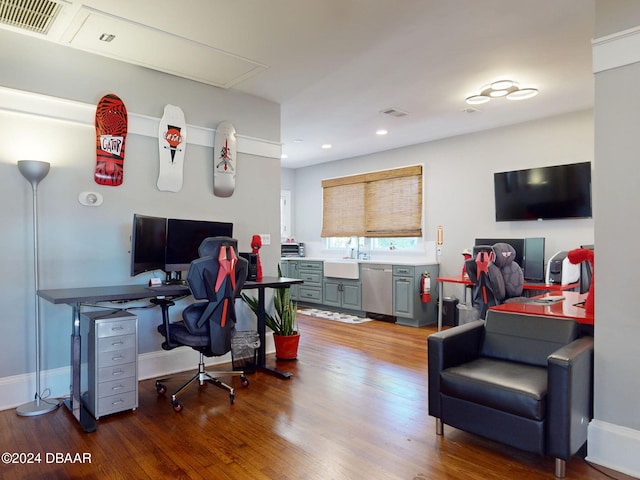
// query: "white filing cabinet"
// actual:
[[112, 362]]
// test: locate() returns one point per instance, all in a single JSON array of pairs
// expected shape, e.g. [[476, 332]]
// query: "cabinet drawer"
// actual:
[[120, 342], [310, 294], [117, 357], [403, 271], [116, 387], [311, 277], [116, 372], [112, 328], [308, 265], [117, 403]]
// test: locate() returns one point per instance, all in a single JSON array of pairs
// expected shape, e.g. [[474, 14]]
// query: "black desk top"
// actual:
[[138, 292]]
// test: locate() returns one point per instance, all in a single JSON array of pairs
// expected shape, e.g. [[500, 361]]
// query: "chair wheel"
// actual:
[[244, 381], [177, 405], [232, 398], [161, 388]]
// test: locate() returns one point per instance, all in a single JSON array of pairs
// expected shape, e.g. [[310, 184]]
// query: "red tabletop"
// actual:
[[566, 308]]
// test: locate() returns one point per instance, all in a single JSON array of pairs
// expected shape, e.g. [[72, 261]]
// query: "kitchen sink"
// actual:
[[342, 268]]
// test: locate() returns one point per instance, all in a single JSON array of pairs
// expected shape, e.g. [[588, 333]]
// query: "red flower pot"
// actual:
[[286, 346]]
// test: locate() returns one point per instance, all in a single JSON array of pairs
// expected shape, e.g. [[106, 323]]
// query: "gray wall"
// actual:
[[82, 246], [617, 229]]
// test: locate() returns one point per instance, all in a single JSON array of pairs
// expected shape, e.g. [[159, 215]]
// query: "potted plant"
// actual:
[[283, 322]]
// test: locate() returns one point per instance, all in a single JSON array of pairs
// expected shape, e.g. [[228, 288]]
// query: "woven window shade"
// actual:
[[378, 204]]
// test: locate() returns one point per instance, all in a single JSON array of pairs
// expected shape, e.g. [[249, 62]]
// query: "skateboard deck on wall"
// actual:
[[171, 143], [111, 135], [224, 160]]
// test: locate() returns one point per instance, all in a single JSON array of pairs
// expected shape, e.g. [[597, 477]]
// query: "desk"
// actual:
[[564, 309], [544, 287], [77, 297]]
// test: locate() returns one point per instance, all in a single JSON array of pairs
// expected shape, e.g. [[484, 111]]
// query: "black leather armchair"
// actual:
[[522, 380]]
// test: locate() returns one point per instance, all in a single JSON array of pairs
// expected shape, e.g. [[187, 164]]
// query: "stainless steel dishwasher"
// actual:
[[377, 288]]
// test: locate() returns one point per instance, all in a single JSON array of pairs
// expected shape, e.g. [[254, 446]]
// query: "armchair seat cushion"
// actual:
[[506, 386]]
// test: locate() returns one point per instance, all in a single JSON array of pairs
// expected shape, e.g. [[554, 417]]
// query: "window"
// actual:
[[384, 204]]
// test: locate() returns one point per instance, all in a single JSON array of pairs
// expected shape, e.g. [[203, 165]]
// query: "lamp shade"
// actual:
[[33, 170]]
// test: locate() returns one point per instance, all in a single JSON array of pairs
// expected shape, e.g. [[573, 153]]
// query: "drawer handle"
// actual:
[[118, 402], [117, 387], [117, 372], [117, 343], [115, 329], [117, 357]]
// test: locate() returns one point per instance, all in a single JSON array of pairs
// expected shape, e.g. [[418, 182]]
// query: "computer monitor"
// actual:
[[185, 236], [148, 239], [533, 266]]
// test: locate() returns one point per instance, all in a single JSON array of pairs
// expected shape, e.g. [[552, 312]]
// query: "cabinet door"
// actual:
[[403, 291], [332, 294], [352, 296]]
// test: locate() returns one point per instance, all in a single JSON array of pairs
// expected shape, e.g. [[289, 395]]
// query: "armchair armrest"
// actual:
[[449, 348], [570, 397]]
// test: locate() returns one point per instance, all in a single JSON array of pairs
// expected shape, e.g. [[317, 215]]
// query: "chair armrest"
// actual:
[[449, 348], [570, 397]]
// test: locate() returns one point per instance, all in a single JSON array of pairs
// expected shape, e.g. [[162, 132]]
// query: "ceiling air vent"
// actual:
[[33, 15], [394, 112]]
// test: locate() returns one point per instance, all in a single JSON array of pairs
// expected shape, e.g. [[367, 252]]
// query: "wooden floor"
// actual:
[[356, 408]]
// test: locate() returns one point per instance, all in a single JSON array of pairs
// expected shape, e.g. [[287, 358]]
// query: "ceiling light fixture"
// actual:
[[107, 37], [381, 131], [502, 88], [326, 146]]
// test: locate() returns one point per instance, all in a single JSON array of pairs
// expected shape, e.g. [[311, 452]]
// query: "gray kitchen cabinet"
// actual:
[[342, 293], [408, 307]]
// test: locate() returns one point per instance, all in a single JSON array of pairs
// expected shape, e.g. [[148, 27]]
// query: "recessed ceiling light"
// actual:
[[326, 146], [381, 131], [284, 155], [298, 140]]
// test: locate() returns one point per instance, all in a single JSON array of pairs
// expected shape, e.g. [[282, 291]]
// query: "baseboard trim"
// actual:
[[19, 389], [614, 446]]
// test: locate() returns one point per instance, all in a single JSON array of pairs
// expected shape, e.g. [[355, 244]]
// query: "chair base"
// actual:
[[202, 376]]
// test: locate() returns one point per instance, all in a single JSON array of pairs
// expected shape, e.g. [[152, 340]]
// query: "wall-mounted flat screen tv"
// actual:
[[561, 191]]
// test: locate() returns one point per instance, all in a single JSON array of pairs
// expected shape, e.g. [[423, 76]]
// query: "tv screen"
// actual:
[[562, 191], [148, 237], [185, 236]]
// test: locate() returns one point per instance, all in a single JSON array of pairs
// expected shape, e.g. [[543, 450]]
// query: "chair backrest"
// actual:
[[526, 339], [218, 276]]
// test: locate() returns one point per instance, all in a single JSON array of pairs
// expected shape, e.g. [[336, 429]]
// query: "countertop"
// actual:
[[405, 262]]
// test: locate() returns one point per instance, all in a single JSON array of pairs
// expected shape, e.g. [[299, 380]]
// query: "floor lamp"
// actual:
[[34, 171]]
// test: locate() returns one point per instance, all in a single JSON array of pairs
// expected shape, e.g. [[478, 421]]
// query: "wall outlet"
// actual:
[[266, 238], [439, 250]]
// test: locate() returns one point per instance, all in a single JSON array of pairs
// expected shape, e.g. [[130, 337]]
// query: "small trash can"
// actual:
[[467, 313], [244, 351], [450, 311]]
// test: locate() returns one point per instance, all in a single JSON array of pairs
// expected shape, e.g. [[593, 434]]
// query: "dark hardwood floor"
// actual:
[[356, 408]]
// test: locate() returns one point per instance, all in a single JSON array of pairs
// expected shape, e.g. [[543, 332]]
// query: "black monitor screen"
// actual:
[[148, 237], [562, 191], [185, 236], [533, 267]]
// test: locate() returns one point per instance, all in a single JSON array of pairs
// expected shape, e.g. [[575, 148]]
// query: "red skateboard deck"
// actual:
[[111, 134]]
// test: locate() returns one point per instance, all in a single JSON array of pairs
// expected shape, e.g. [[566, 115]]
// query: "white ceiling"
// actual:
[[334, 65]]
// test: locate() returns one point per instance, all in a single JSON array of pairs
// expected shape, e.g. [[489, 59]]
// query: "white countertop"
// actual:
[[407, 262]]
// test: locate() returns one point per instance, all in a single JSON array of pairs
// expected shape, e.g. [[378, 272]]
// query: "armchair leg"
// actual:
[[560, 468], [439, 427]]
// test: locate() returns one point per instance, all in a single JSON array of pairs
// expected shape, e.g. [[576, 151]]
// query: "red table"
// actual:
[[571, 307]]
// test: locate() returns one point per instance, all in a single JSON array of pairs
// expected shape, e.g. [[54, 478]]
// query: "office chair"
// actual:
[[497, 278], [207, 326]]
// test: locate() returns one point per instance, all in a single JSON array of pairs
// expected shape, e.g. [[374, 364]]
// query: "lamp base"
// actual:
[[36, 407]]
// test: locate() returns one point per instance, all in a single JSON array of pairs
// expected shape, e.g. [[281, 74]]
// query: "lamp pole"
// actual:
[[34, 171]]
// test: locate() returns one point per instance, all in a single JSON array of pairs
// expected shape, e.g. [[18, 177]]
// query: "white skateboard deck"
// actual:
[[224, 160], [172, 134]]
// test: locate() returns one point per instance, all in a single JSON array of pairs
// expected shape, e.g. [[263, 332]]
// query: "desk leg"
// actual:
[[262, 333], [74, 404]]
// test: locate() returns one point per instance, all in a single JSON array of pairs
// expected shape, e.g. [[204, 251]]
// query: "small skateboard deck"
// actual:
[[111, 134], [172, 134], [224, 160]]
